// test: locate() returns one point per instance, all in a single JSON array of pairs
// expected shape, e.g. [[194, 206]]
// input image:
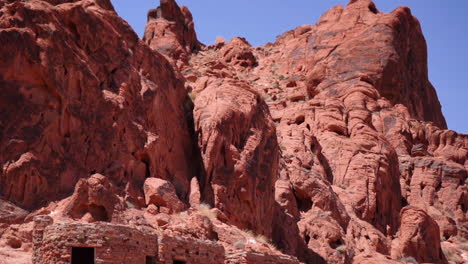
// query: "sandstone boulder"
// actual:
[[10, 213], [94, 199], [170, 30], [418, 237], [239, 52], [163, 194]]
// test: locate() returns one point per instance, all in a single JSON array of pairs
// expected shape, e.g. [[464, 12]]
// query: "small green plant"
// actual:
[[193, 96], [247, 232], [266, 97], [343, 186], [408, 260], [261, 238], [452, 256], [205, 117], [239, 244], [341, 249], [182, 215], [464, 246], [462, 239], [327, 213], [281, 77], [205, 210], [129, 204], [276, 85]]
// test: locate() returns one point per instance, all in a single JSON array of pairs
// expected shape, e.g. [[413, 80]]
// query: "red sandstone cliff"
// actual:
[[314, 144]]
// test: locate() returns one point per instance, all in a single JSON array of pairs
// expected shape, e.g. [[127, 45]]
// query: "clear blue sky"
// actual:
[[445, 26]]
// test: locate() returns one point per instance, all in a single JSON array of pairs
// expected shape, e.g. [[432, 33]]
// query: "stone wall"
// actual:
[[189, 250], [114, 244], [40, 224], [243, 257], [120, 244]]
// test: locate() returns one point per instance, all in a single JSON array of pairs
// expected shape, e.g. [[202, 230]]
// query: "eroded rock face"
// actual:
[[238, 52], [418, 237], [10, 213], [340, 93], [312, 144], [170, 30], [240, 154], [94, 199], [90, 98], [162, 193]]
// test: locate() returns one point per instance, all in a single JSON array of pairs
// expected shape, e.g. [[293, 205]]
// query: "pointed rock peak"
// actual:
[[168, 9], [170, 30], [332, 15], [240, 40], [363, 4], [238, 51]]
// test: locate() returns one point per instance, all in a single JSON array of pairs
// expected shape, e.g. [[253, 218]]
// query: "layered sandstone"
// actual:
[[170, 30], [328, 145], [83, 95], [353, 140]]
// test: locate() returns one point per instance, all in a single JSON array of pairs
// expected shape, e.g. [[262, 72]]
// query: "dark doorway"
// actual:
[[179, 262], [82, 255], [150, 260]]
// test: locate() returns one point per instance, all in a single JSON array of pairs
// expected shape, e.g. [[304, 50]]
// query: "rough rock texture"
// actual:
[[418, 237], [94, 199], [353, 140], [162, 193], [10, 213], [240, 154], [170, 30], [83, 104], [328, 145], [58, 239], [238, 52]]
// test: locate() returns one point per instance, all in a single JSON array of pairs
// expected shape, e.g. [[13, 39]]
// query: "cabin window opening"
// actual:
[[151, 260], [83, 255]]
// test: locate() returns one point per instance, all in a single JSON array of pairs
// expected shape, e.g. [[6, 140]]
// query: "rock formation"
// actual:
[[76, 104], [418, 237], [170, 30], [328, 145]]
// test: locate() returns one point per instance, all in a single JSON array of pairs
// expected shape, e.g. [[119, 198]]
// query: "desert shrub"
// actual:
[[240, 244], [408, 259], [205, 210], [193, 96], [464, 246], [341, 249], [129, 205], [451, 256]]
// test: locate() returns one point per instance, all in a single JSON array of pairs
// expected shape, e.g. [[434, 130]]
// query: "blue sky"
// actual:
[[444, 23]]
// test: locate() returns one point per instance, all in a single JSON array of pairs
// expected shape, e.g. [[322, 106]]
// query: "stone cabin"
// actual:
[[105, 243], [177, 250]]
